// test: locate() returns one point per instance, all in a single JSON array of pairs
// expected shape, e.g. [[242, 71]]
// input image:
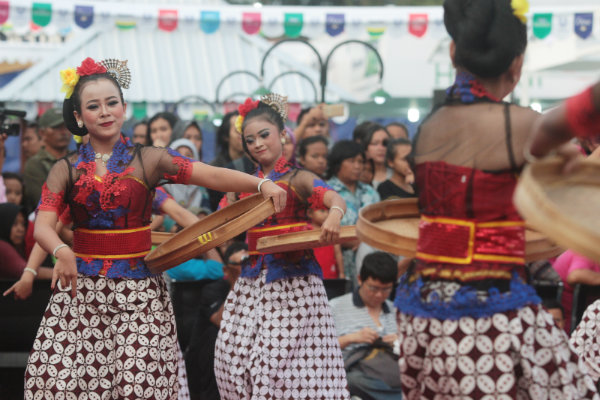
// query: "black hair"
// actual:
[[380, 266], [487, 34], [390, 152], [341, 151], [304, 143], [552, 302], [167, 116], [399, 125], [74, 102], [232, 249], [223, 134], [363, 133], [301, 115], [12, 175], [267, 113]]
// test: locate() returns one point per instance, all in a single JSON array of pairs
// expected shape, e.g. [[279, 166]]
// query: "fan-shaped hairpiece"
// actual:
[[278, 103], [119, 70]]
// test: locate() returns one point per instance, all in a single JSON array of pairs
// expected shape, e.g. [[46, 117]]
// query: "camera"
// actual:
[[11, 129]]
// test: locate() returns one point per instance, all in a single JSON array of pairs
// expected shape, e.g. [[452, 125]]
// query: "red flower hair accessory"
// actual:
[[90, 67], [244, 109]]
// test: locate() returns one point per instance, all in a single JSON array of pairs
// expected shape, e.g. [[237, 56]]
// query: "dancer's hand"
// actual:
[[65, 270], [271, 190], [330, 229], [23, 287]]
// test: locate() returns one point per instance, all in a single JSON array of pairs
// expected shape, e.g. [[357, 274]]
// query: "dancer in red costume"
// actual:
[[469, 325], [277, 338], [109, 329]]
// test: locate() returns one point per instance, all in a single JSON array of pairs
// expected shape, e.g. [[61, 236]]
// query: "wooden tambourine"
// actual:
[[160, 237], [393, 226], [210, 232], [563, 206], [302, 240]]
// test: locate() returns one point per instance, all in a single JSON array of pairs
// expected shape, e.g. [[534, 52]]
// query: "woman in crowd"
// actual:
[[469, 325], [14, 187], [191, 131], [312, 154], [109, 328], [400, 184], [277, 338], [289, 147], [13, 223], [140, 133], [160, 129], [374, 139], [228, 141], [345, 165]]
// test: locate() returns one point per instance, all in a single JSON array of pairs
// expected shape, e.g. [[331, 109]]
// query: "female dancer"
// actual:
[[469, 325], [109, 330], [277, 337]]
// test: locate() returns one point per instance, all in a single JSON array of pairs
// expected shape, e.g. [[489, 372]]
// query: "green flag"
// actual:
[[41, 13], [293, 24], [542, 25]]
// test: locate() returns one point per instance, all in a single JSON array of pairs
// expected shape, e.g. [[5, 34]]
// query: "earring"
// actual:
[[80, 124], [282, 140]]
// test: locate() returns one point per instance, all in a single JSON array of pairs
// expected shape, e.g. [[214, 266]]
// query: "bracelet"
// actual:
[[261, 182], [33, 271], [57, 248], [340, 209]]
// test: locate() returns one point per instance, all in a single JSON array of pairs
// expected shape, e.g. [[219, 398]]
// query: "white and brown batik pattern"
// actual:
[[115, 340], [586, 339], [278, 341], [519, 354]]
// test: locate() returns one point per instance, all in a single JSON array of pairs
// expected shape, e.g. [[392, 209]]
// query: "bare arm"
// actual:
[[182, 216], [330, 229], [339, 260], [228, 180], [23, 287], [584, 276], [45, 234], [217, 316]]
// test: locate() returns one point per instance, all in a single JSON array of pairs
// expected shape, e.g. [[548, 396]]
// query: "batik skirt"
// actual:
[[585, 340], [278, 341], [518, 354], [115, 340]]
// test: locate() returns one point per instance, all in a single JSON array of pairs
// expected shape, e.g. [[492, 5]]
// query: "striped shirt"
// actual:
[[351, 315]]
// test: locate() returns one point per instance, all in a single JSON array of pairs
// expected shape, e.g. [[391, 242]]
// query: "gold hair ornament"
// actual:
[[119, 70], [278, 103]]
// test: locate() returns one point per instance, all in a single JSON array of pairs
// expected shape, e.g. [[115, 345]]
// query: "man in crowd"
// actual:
[[366, 319], [56, 139]]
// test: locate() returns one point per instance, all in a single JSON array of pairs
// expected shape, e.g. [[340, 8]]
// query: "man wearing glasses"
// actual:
[[365, 319]]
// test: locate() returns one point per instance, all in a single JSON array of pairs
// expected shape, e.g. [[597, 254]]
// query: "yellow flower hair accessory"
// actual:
[[520, 8], [69, 79], [238, 123]]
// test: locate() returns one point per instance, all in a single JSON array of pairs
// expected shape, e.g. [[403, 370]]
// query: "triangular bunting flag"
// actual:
[[542, 25], [417, 24], [584, 22], [41, 13], [293, 24], [167, 20], [84, 16], [334, 24], [210, 21], [251, 23]]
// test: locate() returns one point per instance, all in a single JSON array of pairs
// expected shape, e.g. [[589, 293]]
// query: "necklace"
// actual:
[[103, 157]]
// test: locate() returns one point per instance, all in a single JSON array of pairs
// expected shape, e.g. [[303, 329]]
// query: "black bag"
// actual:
[[377, 361]]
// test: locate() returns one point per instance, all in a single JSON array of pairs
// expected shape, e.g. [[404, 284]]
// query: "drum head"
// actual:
[[563, 206], [302, 240], [393, 226], [210, 232]]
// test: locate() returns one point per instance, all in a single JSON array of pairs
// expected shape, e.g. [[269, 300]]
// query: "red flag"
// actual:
[[167, 20], [251, 23], [417, 24], [4, 11]]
